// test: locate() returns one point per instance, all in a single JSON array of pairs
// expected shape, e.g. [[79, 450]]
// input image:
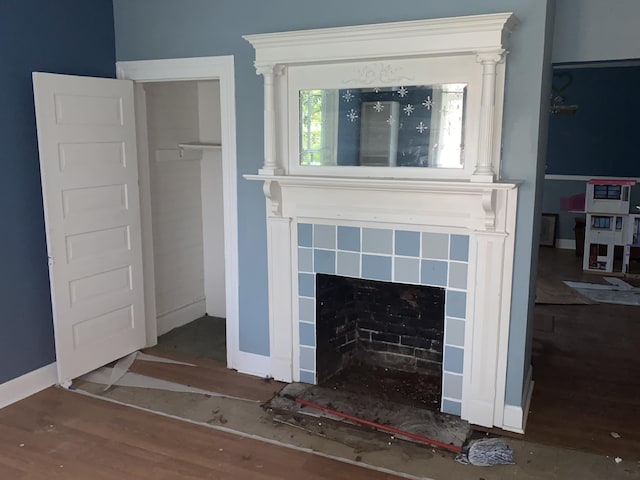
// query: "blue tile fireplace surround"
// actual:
[[398, 256]]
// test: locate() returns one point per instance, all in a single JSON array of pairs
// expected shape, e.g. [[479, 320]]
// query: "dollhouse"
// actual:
[[609, 224]]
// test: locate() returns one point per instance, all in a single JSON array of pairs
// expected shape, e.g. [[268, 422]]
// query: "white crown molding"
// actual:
[[454, 35]]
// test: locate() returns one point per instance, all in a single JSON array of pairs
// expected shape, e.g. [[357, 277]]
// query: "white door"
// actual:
[[89, 171]]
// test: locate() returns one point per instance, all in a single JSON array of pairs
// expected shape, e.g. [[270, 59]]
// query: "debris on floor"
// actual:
[[412, 388], [120, 375], [404, 422], [485, 452]]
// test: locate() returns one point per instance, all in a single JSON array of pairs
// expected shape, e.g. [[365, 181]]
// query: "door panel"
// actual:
[[89, 171]]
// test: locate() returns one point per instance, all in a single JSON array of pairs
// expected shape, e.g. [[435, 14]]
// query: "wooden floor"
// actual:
[[58, 434], [586, 369], [207, 374]]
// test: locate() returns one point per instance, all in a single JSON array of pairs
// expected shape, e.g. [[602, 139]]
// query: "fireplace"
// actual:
[[382, 324], [380, 339], [394, 297], [449, 224]]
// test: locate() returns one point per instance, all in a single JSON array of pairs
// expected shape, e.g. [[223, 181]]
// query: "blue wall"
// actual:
[[588, 30], [61, 36], [584, 31], [600, 138], [148, 29]]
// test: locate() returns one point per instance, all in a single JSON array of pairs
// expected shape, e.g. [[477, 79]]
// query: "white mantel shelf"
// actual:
[[395, 184], [475, 206]]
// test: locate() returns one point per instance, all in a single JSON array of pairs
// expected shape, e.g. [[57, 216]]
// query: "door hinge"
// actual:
[[50, 260]]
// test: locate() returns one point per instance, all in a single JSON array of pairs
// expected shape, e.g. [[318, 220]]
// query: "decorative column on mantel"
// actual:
[[278, 238], [269, 71], [484, 171]]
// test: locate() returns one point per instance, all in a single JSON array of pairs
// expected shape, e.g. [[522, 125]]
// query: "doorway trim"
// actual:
[[200, 68]]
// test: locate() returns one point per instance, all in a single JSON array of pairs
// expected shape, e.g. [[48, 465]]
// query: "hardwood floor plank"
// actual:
[[586, 369], [207, 375], [93, 439]]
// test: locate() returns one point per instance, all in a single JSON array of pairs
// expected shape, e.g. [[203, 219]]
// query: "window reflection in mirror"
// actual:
[[405, 126]]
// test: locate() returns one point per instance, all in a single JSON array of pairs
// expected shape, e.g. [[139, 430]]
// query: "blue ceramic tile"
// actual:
[[434, 273], [406, 270], [305, 235], [458, 275], [349, 238], [305, 260], [452, 408], [453, 359], [324, 236], [324, 261], [407, 243], [307, 310], [435, 245], [455, 332], [348, 264], [456, 304], [376, 267], [377, 240], [307, 284], [460, 247], [307, 334], [307, 377], [307, 358], [452, 386]]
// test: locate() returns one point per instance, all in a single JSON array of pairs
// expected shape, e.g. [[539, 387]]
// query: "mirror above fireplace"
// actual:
[[423, 99], [398, 126]]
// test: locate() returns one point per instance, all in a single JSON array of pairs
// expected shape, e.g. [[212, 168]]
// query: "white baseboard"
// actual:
[[515, 416], [252, 364], [28, 384], [566, 244], [181, 316]]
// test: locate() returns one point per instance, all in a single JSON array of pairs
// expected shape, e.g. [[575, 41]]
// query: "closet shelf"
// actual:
[[199, 146]]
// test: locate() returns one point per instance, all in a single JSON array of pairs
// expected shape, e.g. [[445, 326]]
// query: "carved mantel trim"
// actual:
[[482, 195], [439, 36]]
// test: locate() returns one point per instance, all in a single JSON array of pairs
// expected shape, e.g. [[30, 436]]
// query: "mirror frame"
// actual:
[[477, 43]]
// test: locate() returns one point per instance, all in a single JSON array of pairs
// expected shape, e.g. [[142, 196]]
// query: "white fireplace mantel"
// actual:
[[440, 200], [472, 203]]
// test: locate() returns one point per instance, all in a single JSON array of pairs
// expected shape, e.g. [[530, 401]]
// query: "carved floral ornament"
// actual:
[[378, 74]]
